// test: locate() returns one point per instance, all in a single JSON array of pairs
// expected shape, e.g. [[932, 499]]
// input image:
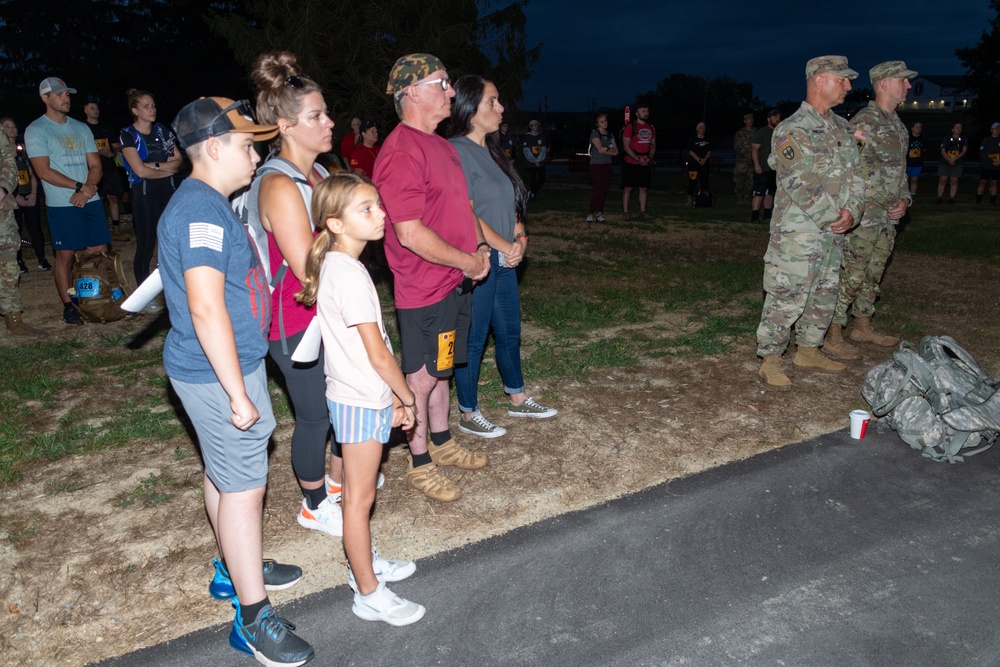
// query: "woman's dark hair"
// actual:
[[468, 94], [281, 87]]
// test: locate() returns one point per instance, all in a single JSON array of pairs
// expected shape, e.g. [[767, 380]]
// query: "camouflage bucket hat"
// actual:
[[891, 69], [407, 71], [834, 64]]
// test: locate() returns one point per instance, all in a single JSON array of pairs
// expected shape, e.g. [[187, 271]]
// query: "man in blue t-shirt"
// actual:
[[218, 299], [65, 159]]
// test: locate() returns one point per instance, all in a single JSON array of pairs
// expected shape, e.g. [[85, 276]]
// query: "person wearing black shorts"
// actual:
[[639, 144], [108, 146]]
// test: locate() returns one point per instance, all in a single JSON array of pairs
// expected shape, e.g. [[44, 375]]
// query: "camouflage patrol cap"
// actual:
[[891, 69], [410, 69], [834, 64]]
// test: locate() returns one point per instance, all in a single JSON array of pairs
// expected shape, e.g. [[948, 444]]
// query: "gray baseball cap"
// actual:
[[54, 85]]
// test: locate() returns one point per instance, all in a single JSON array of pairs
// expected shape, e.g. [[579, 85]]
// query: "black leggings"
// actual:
[[149, 198], [30, 218], [306, 384]]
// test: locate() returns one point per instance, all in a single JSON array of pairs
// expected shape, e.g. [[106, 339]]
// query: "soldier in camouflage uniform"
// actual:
[[883, 142], [10, 242], [820, 195], [743, 168]]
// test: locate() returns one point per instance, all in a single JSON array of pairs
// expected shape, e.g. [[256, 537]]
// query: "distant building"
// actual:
[[939, 93]]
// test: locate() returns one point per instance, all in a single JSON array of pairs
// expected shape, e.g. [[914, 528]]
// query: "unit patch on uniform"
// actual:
[[787, 148]]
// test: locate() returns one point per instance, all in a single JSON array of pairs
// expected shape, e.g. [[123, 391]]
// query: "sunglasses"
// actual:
[[242, 107], [298, 81]]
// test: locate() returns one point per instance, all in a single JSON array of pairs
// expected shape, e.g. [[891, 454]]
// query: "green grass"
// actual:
[[593, 297], [151, 491]]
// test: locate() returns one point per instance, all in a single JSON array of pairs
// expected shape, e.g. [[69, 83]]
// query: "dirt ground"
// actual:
[[91, 578]]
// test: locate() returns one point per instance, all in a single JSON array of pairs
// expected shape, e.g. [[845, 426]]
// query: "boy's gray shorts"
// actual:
[[235, 460]]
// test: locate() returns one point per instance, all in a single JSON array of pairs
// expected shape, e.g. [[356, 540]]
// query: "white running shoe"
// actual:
[[385, 570], [327, 517], [384, 605]]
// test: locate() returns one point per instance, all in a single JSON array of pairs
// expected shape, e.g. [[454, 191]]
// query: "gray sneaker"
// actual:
[[479, 425], [625, 215], [530, 408], [601, 219], [590, 218], [645, 216]]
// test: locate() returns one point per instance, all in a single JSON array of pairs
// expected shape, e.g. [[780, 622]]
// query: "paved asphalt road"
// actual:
[[831, 552]]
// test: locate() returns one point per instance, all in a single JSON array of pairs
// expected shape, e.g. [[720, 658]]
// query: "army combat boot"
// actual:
[[837, 347], [773, 373], [809, 357], [17, 327], [864, 333]]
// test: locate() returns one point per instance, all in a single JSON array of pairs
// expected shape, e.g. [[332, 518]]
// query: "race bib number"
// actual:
[[87, 288], [101, 144], [446, 350], [22, 177]]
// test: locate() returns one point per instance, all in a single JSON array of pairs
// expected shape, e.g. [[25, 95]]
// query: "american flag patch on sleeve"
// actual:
[[205, 235]]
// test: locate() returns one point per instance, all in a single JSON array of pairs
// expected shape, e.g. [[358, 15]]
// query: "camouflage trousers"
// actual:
[[801, 273], [743, 180], [10, 275], [866, 252]]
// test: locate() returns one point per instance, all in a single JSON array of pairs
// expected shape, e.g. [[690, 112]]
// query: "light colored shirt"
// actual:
[[66, 145]]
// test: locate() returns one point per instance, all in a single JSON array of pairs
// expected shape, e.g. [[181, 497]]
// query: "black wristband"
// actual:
[[481, 244], [79, 186]]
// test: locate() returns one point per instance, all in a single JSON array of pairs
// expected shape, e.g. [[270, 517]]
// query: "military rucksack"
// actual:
[[937, 399], [99, 286]]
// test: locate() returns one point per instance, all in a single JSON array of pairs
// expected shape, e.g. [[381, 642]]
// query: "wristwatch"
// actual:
[[156, 166], [79, 186]]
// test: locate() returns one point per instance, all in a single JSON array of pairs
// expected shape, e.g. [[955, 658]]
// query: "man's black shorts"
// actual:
[[111, 184], [989, 173], [436, 336], [637, 175], [765, 183]]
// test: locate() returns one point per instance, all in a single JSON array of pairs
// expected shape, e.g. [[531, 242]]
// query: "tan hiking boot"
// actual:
[[429, 481], [864, 333], [773, 373], [837, 347], [809, 357], [17, 327], [453, 454]]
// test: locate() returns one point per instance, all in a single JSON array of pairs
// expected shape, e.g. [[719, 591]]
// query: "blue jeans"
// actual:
[[495, 302]]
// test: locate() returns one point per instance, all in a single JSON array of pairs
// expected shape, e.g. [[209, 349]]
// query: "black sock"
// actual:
[[993, 199], [754, 216], [979, 199], [767, 213], [421, 459], [248, 612], [441, 437], [314, 496]]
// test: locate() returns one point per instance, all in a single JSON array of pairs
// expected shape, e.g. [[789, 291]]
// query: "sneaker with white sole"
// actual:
[[479, 425], [590, 218], [271, 640], [327, 517], [385, 570], [384, 605], [601, 219], [334, 489], [531, 408], [277, 577]]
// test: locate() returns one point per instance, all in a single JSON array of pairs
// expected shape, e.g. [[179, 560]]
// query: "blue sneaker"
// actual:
[[270, 639], [277, 577]]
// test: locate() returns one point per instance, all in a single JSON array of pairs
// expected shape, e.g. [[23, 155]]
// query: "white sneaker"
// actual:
[[590, 218], [385, 570], [479, 425], [333, 489], [384, 605], [327, 517]]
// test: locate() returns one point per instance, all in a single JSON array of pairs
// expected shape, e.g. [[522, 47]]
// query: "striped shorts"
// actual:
[[352, 424]]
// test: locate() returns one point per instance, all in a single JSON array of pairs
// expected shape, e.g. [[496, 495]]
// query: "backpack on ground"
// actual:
[[100, 286], [937, 398]]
